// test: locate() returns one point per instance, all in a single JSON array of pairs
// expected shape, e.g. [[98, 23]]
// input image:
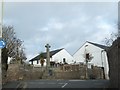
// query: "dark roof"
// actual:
[[99, 45], [44, 55]]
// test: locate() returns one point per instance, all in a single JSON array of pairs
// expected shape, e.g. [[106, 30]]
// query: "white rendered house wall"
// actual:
[[93, 50], [99, 56], [58, 57]]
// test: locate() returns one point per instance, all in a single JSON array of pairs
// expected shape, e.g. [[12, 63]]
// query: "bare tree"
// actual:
[[22, 54], [13, 45], [109, 41], [88, 57]]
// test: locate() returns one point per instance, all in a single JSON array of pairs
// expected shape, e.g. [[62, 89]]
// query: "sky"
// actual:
[[61, 24]]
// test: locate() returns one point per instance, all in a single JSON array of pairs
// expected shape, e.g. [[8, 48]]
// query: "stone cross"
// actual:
[[48, 55]]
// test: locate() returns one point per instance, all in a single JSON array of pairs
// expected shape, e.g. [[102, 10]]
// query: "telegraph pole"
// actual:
[[1, 23], [118, 20], [118, 28]]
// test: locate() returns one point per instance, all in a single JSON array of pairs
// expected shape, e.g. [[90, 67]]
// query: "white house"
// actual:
[[57, 56], [98, 54]]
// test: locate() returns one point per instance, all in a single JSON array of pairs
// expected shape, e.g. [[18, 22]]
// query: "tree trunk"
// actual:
[[4, 60]]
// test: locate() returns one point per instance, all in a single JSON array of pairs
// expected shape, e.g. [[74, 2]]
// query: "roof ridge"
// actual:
[[98, 45]]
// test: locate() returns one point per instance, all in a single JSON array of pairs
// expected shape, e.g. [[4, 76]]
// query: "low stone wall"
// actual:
[[20, 72], [68, 75], [13, 72], [96, 73], [114, 64], [78, 72]]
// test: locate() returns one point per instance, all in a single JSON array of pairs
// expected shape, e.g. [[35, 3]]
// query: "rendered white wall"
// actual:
[[58, 57], [95, 51], [99, 56], [105, 64]]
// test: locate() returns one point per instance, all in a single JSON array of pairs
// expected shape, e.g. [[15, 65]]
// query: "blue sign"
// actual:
[[2, 44]]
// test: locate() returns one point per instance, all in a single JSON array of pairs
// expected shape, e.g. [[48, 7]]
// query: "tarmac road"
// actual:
[[65, 84]]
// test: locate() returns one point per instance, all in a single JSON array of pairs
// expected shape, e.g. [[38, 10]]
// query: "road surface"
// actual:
[[65, 84]]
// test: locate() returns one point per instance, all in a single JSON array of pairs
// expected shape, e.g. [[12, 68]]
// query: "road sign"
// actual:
[[2, 44]]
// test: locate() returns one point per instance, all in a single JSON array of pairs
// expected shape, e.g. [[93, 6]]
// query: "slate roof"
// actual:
[[45, 54], [99, 45]]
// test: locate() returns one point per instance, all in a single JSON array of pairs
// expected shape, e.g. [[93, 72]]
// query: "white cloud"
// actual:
[[68, 45], [66, 25], [44, 29], [8, 21], [105, 26], [29, 56], [54, 23]]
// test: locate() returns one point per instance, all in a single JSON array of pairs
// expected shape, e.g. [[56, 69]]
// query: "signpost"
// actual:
[[2, 44]]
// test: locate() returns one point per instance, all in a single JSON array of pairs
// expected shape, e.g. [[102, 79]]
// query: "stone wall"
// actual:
[[68, 75], [13, 72], [17, 72], [20, 72], [78, 72], [114, 64]]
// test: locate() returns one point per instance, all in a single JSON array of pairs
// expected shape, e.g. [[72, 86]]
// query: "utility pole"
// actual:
[[118, 20], [1, 23], [48, 55], [118, 29]]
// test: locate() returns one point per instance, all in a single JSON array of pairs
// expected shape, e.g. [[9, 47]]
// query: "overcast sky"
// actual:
[[62, 25]]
